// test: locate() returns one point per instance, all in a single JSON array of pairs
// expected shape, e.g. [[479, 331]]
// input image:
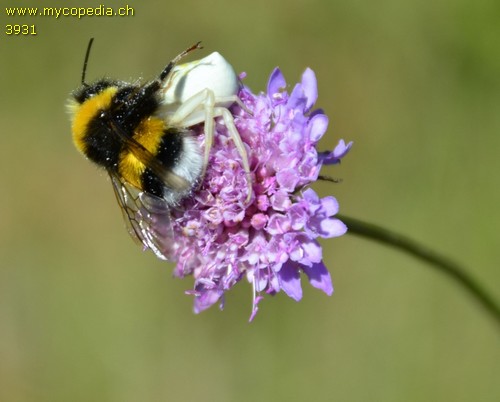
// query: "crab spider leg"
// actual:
[[240, 147], [189, 114]]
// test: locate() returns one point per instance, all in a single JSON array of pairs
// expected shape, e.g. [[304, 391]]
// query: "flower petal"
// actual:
[[276, 82], [289, 278], [334, 157], [312, 251], [330, 205], [297, 100], [317, 127], [319, 277], [206, 298], [310, 87], [332, 228], [287, 178]]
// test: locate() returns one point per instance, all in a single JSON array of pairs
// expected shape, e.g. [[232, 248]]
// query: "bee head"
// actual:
[[87, 91], [91, 134]]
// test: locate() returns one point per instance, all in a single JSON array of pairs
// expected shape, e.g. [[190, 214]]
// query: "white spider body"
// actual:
[[198, 92]]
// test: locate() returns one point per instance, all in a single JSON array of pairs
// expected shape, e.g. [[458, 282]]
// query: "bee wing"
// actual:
[[147, 217]]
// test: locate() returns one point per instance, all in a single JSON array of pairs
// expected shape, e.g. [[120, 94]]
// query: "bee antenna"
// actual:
[[89, 46]]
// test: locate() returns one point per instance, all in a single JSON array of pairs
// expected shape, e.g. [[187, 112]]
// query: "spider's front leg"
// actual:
[[200, 91], [202, 108]]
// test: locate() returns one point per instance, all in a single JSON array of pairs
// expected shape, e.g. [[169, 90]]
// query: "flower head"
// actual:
[[221, 238]]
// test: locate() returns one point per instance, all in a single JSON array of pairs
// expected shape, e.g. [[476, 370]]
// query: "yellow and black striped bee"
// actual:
[[141, 134]]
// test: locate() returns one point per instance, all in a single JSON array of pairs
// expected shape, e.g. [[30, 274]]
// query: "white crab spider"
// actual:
[[198, 92]]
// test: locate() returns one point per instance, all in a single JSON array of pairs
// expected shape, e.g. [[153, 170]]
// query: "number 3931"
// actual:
[[20, 29]]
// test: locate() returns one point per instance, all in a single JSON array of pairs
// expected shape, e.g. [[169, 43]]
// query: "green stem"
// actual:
[[445, 265]]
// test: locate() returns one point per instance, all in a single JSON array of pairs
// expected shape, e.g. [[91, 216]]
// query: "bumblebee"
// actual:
[[141, 134]]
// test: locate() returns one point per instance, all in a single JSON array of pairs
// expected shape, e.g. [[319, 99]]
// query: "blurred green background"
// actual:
[[85, 315]]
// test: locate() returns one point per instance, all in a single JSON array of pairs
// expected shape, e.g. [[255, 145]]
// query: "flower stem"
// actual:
[[444, 264]]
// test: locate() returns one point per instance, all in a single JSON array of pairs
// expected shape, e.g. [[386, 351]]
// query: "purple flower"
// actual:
[[333, 157], [220, 238]]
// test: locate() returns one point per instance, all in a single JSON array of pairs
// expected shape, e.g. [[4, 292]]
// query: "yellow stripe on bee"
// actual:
[[149, 134], [85, 112]]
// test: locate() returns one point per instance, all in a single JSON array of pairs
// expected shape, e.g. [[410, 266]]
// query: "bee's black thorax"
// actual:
[[131, 105]]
